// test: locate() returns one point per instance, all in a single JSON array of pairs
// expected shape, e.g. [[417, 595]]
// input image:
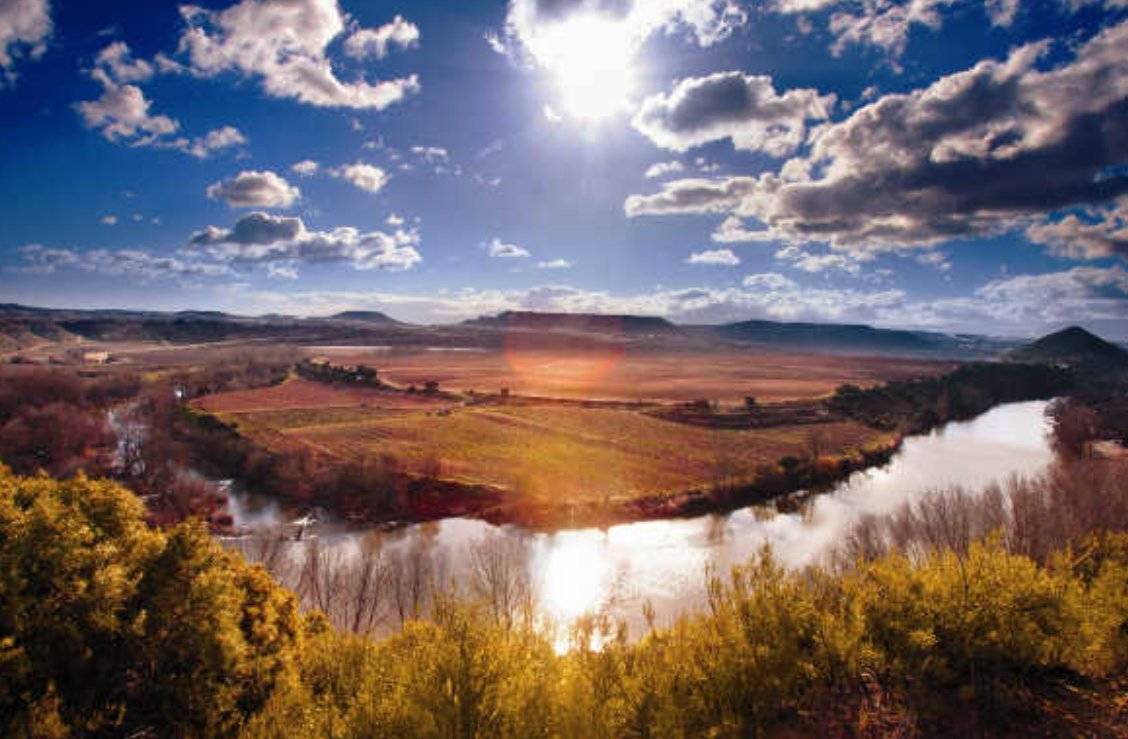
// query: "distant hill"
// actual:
[[1073, 345], [23, 326], [842, 337], [368, 316], [596, 323]]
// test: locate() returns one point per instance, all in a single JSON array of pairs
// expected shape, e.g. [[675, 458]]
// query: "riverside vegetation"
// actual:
[[111, 627], [1001, 613]]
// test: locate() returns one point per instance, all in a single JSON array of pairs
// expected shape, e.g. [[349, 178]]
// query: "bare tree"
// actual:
[[499, 576]]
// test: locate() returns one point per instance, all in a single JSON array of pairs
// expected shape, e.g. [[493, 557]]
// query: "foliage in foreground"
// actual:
[[109, 627]]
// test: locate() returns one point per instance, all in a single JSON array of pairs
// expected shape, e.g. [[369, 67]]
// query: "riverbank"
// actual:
[[377, 492]]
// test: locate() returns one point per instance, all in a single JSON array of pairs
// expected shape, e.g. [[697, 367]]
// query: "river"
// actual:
[[664, 562]]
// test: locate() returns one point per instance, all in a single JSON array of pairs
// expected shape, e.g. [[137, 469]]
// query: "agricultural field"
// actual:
[[545, 452], [725, 376]]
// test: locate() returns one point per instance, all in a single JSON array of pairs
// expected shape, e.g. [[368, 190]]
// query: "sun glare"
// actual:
[[592, 63]]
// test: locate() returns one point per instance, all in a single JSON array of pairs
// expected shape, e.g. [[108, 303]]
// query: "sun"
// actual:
[[591, 59]]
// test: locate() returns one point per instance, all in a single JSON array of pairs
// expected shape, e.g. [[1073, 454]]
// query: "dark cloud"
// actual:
[[744, 108], [974, 153]]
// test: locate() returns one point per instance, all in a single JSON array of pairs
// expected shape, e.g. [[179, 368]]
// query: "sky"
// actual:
[[942, 164]]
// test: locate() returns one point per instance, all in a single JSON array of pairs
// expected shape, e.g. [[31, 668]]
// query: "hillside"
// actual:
[[1073, 345], [367, 316], [597, 323], [23, 327]]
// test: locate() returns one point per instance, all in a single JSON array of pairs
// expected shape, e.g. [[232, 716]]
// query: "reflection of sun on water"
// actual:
[[575, 576]]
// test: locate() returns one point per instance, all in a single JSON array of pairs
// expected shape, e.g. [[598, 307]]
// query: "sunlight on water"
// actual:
[[619, 569], [574, 576]]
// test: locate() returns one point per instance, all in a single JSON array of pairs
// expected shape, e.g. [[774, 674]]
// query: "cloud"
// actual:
[[935, 259], [305, 167], [718, 257], [253, 189], [537, 24], [495, 248], [733, 231], [693, 195], [367, 177], [109, 220], [731, 105], [558, 35], [886, 24], [1102, 232], [975, 153], [254, 228], [1022, 305], [261, 238], [215, 140], [431, 154], [555, 264], [122, 112], [118, 60], [661, 169], [1033, 304], [283, 44], [1001, 12], [124, 262], [808, 262], [365, 42], [25, 26]]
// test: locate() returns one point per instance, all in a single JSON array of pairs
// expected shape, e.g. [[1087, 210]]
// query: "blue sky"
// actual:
[[961, 166]]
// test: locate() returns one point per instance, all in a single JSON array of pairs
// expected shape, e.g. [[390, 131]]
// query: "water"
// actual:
[[664, 562]]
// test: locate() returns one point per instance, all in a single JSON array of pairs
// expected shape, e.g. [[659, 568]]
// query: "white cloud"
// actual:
[[718, 257], [1001, 12], [365, 42], [25, 26], [886, 24], [935, 259], [808, 262], [124, 262], [122, 112], [661, 169], [255, 189], [732, 231], [431, 154], [305, 167], [215, 140], [261, 238], [109, 220], [559, 36], [537, 24], [367, 177], [496, 248], [284, 45], [118, 60], [1102, 232], [1022, 305], [558, 263], [731, 105]]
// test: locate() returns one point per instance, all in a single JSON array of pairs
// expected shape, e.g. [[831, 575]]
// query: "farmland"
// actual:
[[726, 376], [541, 452]]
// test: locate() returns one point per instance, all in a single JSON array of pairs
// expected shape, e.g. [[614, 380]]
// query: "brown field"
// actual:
[[675, 376], [544, 452], [307, 394]]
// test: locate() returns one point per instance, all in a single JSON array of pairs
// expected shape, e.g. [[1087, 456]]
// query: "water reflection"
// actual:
[[617, 569]]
